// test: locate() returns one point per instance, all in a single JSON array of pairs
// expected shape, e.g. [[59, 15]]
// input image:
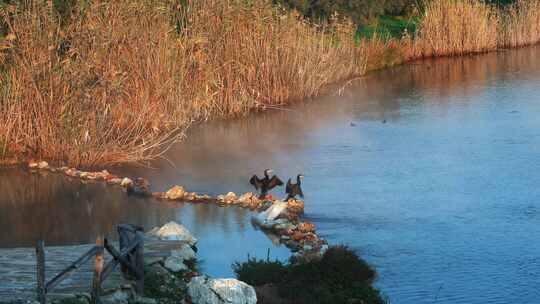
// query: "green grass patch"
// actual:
[[389, 27], [340, 276]]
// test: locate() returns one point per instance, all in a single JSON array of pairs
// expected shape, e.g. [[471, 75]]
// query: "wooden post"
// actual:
[[124, 240], [96, 283], [40, 267], [139, 263]]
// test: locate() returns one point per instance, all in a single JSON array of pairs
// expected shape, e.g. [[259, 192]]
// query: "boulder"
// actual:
[[126, 182], [203, 290], [306, 227], [73, 172], [247, 198], [296, 207], [231, 196], [176, 261], [185, 252], [173, 231], [115, 181], [175, 193], [43, 165], [283, 224], [297, 236], [175, 264]]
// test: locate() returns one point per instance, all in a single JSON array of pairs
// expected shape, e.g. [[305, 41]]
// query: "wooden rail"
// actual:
[[130, 257]]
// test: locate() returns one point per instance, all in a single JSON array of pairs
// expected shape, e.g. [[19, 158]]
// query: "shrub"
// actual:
[[258, 272], [345, 262], [340, 276]]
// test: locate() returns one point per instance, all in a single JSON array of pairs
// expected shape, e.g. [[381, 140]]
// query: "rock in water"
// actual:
[[173, 231], [176, 192], [43, 165], [203, 290], [267, 217], [126, 182]]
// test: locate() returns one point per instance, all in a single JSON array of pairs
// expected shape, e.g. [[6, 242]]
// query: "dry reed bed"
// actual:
[[456, 27], [118, 81]]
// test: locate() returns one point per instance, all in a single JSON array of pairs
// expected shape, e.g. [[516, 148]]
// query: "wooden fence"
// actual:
[[129, 256]]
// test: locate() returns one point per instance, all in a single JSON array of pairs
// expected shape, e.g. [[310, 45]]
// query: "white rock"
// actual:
[[185, 252], [126, 182], [115, 181], [43, 165], [173, 231], [246, 197], [32, 165], [324, 248], [175, 264], [176, 192], [203, 290], [267, 217]]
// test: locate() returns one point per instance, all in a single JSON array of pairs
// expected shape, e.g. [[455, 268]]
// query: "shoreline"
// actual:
[[287, 226]]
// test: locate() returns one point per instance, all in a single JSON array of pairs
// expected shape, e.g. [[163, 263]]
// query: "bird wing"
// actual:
[[254, 180], [274, 181]]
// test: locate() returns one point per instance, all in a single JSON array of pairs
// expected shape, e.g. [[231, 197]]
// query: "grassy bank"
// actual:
[[118, 81]]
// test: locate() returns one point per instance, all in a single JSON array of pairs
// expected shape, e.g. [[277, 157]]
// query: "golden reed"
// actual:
[[119, 81]]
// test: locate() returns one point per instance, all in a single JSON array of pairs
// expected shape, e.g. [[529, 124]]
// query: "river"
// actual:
[[431, 171]]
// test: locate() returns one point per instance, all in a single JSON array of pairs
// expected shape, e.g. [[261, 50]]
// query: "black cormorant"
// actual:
[[293, 190], [266, 183]]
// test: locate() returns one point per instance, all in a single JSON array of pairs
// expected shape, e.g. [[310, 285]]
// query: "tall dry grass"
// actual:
[[116, 82], [97, 90], [521, 24], [456, 27]]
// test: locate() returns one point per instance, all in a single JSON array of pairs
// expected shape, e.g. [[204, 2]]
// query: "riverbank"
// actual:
[[132, 90]]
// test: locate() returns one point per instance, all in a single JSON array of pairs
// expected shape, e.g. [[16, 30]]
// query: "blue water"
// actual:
[[436, 184]]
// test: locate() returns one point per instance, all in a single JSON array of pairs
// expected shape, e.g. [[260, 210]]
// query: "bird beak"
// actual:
[[270, 170]]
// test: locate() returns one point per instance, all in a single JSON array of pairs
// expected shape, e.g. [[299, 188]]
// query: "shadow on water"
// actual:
[[435, 184]]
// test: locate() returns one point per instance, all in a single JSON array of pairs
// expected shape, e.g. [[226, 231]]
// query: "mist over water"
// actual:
[[436, 184]]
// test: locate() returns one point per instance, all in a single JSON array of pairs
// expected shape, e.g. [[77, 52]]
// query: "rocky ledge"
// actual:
[[285, 226]]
